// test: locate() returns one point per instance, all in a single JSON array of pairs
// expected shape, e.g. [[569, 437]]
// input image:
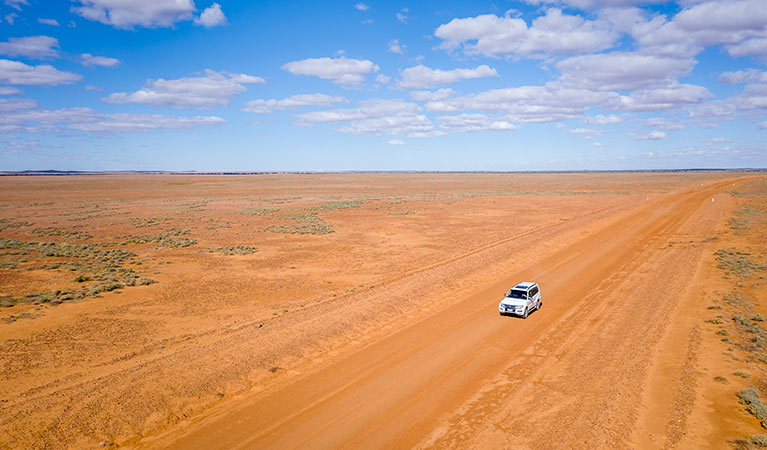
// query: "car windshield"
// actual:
[[516, 294]]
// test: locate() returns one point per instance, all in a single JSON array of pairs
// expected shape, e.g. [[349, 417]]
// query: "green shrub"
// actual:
[[750, 398]]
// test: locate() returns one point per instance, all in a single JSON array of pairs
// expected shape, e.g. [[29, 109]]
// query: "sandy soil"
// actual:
[[359, 310]]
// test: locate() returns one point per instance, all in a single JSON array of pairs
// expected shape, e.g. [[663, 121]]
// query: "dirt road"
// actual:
[[398, 391]]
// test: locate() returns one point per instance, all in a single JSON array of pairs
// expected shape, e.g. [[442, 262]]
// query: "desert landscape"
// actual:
[[359, 310]]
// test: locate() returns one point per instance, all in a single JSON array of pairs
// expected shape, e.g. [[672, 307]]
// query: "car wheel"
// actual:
[[527, 311], [539, 306]]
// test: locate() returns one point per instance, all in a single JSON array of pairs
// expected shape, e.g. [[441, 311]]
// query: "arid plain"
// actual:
[[360, 310]]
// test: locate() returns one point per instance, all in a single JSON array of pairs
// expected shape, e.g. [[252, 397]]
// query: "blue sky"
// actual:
[[322, 86]]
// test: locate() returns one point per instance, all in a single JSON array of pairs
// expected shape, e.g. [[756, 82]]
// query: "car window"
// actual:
[[533, 291]]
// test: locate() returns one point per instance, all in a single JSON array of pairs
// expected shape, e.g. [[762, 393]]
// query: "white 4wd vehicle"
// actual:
[[521, 300]]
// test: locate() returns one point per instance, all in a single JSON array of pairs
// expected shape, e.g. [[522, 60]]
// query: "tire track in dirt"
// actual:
[[393, 392], [131, 383]]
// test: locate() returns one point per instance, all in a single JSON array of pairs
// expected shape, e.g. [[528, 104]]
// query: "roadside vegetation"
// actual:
[[738, 323]]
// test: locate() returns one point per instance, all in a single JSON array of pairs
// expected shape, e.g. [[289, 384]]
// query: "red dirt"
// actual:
[[383, 333]]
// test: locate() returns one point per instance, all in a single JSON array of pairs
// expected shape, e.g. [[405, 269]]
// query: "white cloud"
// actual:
[[128, 14], [17, 104], [763, 125], [754, 96], [361, 6], [554, 33], [18, 73], [395, 47], [622, 70], [419, 77], [585, 131], [212, 16], [670, 97], [342, 71], [598, 144], [16, 4], [713, 110], [655, 135], [89, 87], [366, 109], [122, 123], [208, 91], [89, 60], [402, 15], [377, 117], [600, 119], [751, 47], [383, 79], [396, 142], [663, 123], [10, 18], [31, 46], [51, 22], [733, 24], [292, 102], [589, 4], [24, 116], [7, 90], [548, 103], [742, 76], [465, 123], [432, 96]]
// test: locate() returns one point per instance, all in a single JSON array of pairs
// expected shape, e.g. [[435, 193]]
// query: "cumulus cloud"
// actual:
[[737, 25], [16, 4], [212, 16], [31, 47], [465, 123], [89, 60], [622, 70], [123, 123], [209, 91], [18, 73], [432, 96], [750, 47], [396, 142], [670, 97], [663, 123], [548, 103], [7, 90], [600, 119], [361, 7], [24, 116], [128, 14], [655, 135], [402, 15], [377, 117], [590, 4], [383, 79], [292, 102], [395, 47], [342, 71], [554, 33], [17, 104], [51, 22], [742, 76], [585, 131], [419, 77]]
